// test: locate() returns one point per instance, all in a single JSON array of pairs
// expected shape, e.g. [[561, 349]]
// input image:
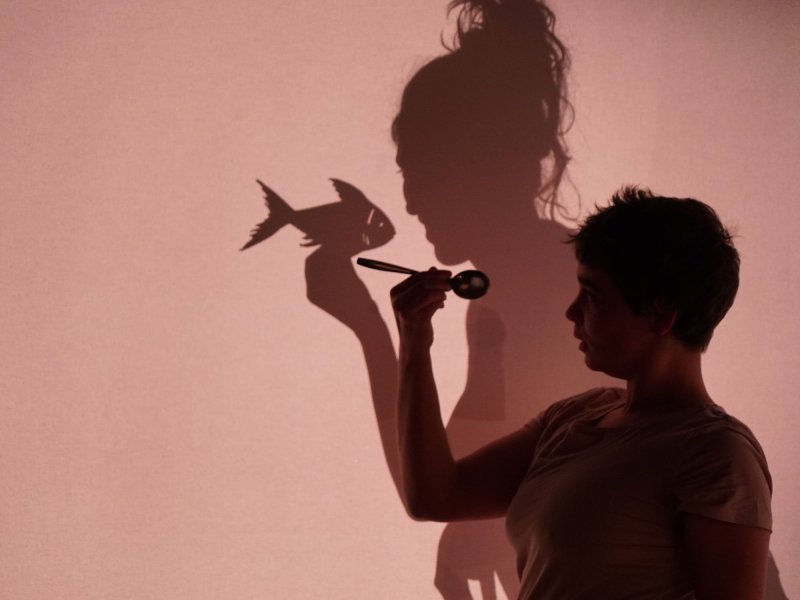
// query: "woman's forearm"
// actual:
[[428, 468], [427, 465]]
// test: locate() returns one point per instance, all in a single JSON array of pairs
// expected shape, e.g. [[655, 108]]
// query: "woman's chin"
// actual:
[[447, 251]]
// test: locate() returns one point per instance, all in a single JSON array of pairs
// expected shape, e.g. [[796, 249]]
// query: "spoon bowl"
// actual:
[[470, 284]]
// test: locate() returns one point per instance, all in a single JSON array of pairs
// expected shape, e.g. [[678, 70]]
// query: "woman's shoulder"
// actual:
[[714, 437], [713, 424], [721, 471]]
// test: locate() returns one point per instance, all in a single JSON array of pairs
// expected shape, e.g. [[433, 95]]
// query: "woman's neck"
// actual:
[[674, 382]]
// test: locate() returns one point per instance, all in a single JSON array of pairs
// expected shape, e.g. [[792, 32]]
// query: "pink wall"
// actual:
[[177, 420]]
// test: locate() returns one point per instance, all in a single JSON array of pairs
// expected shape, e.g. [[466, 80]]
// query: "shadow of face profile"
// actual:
[[475, 126]]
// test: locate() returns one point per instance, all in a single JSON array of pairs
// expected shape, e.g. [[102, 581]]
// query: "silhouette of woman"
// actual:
[[480, 144]]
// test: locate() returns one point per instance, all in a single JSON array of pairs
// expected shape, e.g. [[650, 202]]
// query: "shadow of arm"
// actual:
[[333, 286]]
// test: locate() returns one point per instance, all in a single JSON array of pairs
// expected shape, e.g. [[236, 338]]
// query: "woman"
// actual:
[[648, 492]]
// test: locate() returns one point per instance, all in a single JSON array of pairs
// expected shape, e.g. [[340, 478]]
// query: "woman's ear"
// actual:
[[663, 316]]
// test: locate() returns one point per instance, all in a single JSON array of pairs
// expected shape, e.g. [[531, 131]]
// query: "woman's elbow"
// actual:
[[421, 508]]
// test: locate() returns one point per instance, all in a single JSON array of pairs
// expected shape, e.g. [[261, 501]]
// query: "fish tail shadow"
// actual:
[[280, 213]]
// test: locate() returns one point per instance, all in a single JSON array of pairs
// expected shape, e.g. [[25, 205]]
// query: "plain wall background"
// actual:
[[177, 420]]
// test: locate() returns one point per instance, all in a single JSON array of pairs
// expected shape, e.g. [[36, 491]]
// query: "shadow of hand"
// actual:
[[333, 286]]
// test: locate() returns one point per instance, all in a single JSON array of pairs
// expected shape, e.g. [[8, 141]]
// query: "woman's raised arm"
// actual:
[[434, 485]]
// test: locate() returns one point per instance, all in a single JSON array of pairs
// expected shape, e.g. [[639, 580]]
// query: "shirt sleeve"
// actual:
[[723, 475]]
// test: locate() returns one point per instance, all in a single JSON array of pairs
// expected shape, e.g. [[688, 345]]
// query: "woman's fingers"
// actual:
[[421, 278], [421, 291], [421, 295], [414, 301]]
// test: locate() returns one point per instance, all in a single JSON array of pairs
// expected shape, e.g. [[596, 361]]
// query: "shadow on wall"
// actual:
[[479, 138], [479, 141], [774, 587]]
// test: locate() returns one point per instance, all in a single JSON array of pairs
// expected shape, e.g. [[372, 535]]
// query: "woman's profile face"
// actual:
[[613, 338]]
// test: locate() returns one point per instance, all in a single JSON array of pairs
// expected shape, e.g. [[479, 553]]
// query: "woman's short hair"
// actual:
[[664, 252]]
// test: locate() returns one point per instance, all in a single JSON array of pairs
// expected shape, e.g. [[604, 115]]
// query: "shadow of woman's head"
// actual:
[[480, 129]]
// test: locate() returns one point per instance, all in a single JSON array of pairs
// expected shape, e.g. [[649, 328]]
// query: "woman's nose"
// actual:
[[572, 310]]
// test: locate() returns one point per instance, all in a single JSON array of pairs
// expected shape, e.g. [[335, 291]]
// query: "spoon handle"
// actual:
[[384, 266]]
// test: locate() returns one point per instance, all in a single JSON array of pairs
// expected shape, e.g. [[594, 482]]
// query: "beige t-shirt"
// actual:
[[597, 514]]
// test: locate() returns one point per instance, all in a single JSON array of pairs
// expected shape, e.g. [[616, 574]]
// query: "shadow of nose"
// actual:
[[410, 204]]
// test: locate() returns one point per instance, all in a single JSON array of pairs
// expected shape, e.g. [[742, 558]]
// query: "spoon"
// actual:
[[469, 284]]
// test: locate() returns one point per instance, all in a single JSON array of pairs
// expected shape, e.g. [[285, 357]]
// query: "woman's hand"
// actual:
[[414, 301]]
